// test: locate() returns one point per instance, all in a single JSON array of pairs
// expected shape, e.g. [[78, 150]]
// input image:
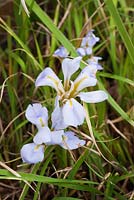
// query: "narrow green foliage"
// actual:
[[121, 28], [101, 171], [48, 22]]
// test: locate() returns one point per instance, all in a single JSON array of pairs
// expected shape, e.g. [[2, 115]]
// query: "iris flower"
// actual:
[[61, 52], [68, 111], [87, 44], [34, 152], [93, 61]]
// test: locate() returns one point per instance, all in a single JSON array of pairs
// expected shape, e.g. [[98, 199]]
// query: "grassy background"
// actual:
[[104, 170]]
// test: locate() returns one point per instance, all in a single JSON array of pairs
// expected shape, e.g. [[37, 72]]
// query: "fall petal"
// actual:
[[70, 141], [48, 78], [37, 114], [31, 153], [73, 113], [93, 97]]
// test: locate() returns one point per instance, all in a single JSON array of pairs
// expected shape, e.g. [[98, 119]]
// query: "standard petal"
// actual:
[[73, 113], [48, 78], [56, 137], [61, 52], [42, 136], [93, 97], [37, 114], [70, 66], [84, 80], [32, 153], [70, 141]]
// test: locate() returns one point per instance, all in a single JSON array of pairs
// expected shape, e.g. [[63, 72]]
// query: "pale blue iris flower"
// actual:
[[34, 152], [61, 52], [68, 111], [87, 44], [93, 62]]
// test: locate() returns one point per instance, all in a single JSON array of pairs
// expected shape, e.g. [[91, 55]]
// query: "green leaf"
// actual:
[[121, 28], [113, 103], [116, 77], [72, 184], [46, 20]]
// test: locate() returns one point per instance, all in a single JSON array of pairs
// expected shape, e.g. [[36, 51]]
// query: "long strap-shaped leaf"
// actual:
[[121, 28], [113, 103], [72, 184], [51, 26]]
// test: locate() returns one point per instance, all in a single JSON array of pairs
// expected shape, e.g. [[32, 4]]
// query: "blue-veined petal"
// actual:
[[70, 141], [57, 117], [70, 66], [93, 97], [48, 78], [73, 113], [61, 52], [37, 114], [42, 136], [32, 153]]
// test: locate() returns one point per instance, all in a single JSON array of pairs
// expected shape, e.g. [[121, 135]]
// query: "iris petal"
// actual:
[[71, 141], [48, 78], [84, 80], [61, 52], [93, 97], [56, 137], [37, 114], [92, 39], [81, 51], [31, 153], [57, 118], [93, 62], [73, 113], [42, 136], [70, 66]]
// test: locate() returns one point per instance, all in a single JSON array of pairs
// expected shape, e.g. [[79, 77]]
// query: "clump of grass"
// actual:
[[104, 168]]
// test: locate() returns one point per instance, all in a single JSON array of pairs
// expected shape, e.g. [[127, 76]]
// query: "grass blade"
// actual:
[[121, 28]]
